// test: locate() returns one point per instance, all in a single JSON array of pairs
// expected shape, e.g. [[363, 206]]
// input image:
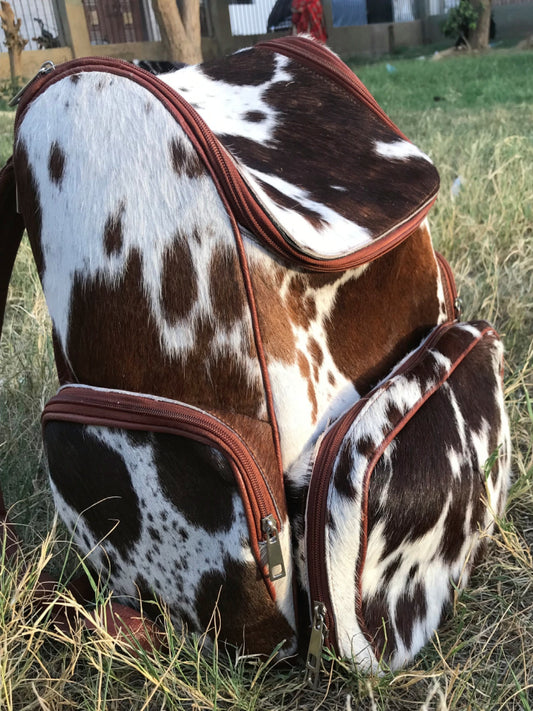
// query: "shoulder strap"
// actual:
[[11, 229]]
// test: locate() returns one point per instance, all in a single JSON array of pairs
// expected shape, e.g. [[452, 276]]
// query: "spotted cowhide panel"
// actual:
[[162, 519], [134, 248], [330, 172], [327, 337], [431, 501], [140, 271], [330, 337]]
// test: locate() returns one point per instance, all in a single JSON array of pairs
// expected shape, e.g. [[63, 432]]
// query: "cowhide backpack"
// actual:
[[268, 406]]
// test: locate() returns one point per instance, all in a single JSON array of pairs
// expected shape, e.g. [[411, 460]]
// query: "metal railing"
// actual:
[[118, 21], [39, 24]]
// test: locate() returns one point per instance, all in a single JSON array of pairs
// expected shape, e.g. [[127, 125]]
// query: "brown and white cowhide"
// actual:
[[144, 284]]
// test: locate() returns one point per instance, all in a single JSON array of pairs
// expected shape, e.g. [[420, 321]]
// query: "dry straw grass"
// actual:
[[481, 657]]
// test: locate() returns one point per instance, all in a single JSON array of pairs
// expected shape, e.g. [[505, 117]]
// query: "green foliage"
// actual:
[[460, 20], [8, 89]]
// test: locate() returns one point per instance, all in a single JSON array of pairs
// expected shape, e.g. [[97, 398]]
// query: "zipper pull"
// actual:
[[46, 68], [276, 566], [458, 306], [316, 644]]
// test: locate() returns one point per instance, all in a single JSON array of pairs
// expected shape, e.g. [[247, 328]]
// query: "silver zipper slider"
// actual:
[[316, 644], [276, 566], [46, 68], [458, 306]]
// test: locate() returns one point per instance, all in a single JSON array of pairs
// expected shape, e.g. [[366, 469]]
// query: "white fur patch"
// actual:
[[400, 150], [224, 106]]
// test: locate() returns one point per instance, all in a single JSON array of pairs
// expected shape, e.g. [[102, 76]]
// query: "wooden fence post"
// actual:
[[14, 41], [74, 23]]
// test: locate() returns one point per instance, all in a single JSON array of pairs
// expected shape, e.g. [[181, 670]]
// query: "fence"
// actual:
[[39, 24], [127, 28], [108, 22], [119, 21]]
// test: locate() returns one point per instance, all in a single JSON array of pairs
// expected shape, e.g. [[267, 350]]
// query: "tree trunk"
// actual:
[[15, 43], [479, 38], [180, 30]]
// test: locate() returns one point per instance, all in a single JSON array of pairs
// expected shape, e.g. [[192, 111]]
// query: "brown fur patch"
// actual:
[[228, 298], [247, 613], [376, 319], [187, 471], [29, 204], [300, 305], [94, 479], [246, 67], [56, 163], [380, 631], [317, 355], [179, 289], [184, 161], [305, 370], [254, 116], [409, 609], [122, 349], [276, 329], [113, 232]]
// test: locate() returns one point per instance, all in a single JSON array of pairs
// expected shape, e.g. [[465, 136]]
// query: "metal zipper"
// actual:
[[276, 564], [206, 427], [316, 645], [46, 68]]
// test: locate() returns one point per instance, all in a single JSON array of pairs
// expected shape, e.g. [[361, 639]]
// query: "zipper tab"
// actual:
[[458, 307], [276, 566], [316, 644], [46, 68]]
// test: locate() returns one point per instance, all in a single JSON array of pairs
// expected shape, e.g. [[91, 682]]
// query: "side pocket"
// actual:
[[402, 492], [169, 503]]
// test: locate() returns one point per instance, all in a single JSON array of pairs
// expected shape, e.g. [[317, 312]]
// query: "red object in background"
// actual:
[[307, 18]]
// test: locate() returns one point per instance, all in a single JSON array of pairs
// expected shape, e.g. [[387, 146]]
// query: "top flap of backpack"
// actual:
[[333, 177]]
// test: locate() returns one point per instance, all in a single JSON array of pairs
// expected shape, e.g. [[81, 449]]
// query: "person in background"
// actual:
[[307, 18]]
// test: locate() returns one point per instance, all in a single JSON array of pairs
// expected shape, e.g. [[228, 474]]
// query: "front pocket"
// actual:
[[169, 502], [401, 489]]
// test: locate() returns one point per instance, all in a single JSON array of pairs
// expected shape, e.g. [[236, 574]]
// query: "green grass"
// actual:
[[458, 82], [482, 130]]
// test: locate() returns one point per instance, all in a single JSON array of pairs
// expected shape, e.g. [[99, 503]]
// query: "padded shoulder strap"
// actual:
[[11, 229]]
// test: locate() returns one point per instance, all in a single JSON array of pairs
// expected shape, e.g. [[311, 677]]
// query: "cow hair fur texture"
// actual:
[[154, 290], [421, 531]]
